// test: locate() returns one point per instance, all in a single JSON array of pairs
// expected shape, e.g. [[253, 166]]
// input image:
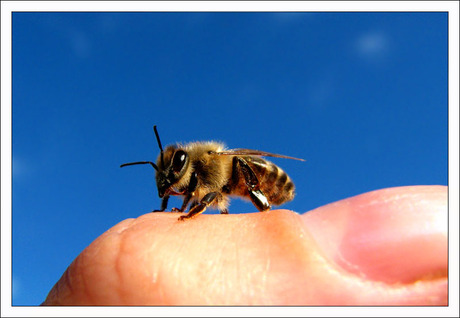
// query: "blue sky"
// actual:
[[361, 96]]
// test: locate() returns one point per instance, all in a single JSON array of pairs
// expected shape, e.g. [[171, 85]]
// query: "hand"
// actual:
[[387, 247]]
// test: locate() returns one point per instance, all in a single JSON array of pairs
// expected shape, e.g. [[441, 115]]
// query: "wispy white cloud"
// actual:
[[19, 167], [372, 46], [80, 44], [289, 17], [16, 287]]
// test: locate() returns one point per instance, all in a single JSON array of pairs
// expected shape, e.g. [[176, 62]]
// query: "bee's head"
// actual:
[[172, 166]]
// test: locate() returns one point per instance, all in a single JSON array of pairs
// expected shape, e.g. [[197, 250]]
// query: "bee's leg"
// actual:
[[193, 204], [164, 204], [258, 198], [199, 208], [184, 204], [222, 203], [191, 188]]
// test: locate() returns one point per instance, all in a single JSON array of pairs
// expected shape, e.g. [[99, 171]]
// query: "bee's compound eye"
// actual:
[[179, 160]]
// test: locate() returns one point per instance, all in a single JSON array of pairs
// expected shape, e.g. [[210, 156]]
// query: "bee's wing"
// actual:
[[251, 152]]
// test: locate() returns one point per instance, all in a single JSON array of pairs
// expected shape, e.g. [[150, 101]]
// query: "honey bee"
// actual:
[[206, 174]]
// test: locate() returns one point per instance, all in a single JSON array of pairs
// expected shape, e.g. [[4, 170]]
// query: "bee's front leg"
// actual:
[[164, 204], [190, 189], [199, 208]]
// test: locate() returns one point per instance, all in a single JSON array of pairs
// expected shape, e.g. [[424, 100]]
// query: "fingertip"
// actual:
[[395, 235]]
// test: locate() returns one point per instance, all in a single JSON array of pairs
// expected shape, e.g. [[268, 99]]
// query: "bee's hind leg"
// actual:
[[256, 195], [199, 208], [223, 204]]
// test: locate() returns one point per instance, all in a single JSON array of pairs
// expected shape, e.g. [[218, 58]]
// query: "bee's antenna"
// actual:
[[140, 163], [159, 144]]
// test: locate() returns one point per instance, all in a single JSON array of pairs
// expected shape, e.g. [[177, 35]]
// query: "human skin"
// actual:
[[386, 247]]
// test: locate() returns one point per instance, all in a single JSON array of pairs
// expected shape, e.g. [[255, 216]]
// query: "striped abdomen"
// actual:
[[273, 181]]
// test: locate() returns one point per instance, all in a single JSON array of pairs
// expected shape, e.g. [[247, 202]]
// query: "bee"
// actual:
[[206, 174]]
